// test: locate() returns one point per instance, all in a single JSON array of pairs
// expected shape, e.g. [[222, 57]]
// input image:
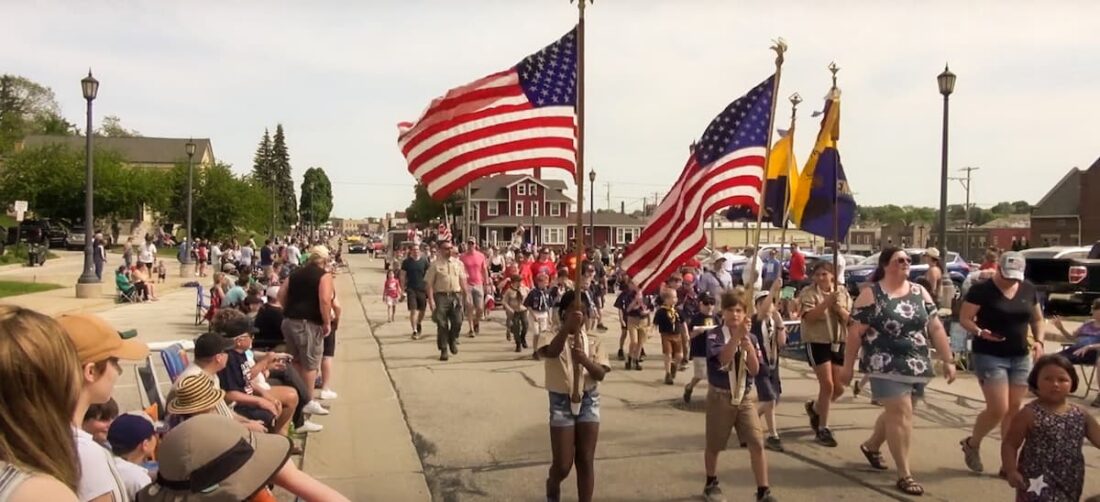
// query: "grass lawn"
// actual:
[[13, 288], [7, 221]]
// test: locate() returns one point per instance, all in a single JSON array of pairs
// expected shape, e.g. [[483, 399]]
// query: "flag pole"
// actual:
[[578, 176], [836, 180], [780, 47], [795, 101]]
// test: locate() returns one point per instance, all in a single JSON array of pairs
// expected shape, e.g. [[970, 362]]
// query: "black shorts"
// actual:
[[329, 350], [821, 353], [257, 413], [767, 384], [417, 300], [1088, 359]]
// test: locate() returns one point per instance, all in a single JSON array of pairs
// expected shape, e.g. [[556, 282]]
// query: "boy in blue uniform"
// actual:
[[700, 323]]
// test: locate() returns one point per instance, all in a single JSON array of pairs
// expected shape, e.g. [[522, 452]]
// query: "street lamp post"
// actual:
[[592, 209], [946, 82], [88, 285], [187, 265]]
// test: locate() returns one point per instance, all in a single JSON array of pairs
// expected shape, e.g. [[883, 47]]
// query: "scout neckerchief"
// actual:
[[830, 322], [737, 370]]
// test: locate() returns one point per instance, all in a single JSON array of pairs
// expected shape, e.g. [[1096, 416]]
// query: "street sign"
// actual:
[[19, 216], [20, 206]]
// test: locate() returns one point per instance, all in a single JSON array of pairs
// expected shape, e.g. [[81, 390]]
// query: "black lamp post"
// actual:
[[946, 82], [592, 208], [88, 285], [188, 263]]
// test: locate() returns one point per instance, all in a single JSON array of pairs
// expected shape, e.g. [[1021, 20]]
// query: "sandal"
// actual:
[[874, 458], [909, 486]]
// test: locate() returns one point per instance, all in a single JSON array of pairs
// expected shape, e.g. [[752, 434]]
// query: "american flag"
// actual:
[[726, 168], [520, 118], [443, 233]]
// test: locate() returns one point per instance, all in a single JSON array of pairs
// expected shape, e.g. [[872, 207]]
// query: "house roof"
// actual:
[[496, 187], [601, 220], [138, 150], [1062, 200]]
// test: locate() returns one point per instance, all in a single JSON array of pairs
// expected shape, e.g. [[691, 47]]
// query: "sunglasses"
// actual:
[[903, 260]]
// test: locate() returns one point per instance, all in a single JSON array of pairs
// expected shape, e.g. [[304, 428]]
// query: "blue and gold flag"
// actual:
[[822, 189]]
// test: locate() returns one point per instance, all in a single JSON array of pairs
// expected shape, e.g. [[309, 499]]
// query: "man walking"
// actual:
[[413, 269], [477, 274], [447, 289], [307, 313]]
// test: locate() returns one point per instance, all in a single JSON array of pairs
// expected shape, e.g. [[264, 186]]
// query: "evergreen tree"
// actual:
[[284, 185], [263, 174]]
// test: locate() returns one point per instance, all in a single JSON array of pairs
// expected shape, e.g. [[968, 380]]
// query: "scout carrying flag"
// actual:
[[823, 203]]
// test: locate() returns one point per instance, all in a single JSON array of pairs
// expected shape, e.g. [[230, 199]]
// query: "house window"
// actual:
[[492, 208], [555, 209], [587, 230], [533, 189], [553, 235], [534, 208], [519, 208], [521, 189], [625, 235]]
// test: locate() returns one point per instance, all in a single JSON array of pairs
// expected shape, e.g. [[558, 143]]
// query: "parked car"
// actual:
[[956, 268], [43, 231], [1064, 275], [74, 239]]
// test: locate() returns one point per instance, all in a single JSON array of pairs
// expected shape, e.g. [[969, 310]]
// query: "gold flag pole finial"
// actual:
[[796, 100]]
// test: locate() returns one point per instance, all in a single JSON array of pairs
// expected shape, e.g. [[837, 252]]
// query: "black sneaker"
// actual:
[[713, 493], [629, 364], [518, 348], [443, 355], [825, 437], [815, 419], [601, 327], [668, 379], [419, 329], [621, 355], [454, 348], [638, 365], [687, 395], [765, 497], [773, 443]]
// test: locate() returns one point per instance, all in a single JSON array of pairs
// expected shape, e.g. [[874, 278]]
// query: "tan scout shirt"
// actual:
[[831, 329], [446, 276], [559, 371]]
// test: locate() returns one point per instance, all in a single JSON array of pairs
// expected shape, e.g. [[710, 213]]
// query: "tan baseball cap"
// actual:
[[96, 340]]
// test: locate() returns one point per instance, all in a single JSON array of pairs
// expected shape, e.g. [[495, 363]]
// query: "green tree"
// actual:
[[284, 184], [26, 108], [112, 128], [263, 172], [1021, 207], [223, 204], [424, 208], [316, 203]]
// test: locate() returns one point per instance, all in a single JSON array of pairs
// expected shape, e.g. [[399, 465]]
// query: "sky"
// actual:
[[339, 76]]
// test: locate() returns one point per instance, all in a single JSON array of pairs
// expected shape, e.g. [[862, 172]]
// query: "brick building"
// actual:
[[1069, 214]]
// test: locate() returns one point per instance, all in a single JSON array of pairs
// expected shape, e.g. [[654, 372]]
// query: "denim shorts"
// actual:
[[561, 415], [882, 388], [993, 369]]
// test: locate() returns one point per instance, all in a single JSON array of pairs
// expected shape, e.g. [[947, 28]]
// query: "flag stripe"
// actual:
[[498, 152], [462, 100], [440, 128], [460, 142], [519, 159]]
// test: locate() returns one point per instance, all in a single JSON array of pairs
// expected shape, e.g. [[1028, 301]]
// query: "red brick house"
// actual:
[[504, 202], [1069, 214]]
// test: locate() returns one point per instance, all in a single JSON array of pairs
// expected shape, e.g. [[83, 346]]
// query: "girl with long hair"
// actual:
[[40, 371]]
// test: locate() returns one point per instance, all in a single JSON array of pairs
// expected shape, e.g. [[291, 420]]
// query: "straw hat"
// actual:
[[214, 458], [195, 394]]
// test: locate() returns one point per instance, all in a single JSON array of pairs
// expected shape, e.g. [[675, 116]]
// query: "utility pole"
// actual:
[[966, 226]]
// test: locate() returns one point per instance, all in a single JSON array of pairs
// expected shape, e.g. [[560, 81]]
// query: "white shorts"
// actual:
[[700, 366]]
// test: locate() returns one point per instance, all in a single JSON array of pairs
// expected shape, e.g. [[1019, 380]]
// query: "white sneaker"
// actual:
[[328, 394], [314, 408], [308, 427]]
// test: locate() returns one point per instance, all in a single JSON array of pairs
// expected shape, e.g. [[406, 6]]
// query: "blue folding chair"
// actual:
[[175, 360]]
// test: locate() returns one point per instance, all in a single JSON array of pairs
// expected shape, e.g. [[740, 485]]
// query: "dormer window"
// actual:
[[521, 189]]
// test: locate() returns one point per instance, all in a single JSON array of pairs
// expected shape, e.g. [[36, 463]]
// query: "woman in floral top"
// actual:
[[893, 324]]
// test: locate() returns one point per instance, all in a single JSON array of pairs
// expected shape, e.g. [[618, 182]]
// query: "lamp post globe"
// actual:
[[88, 285], [187, 264]]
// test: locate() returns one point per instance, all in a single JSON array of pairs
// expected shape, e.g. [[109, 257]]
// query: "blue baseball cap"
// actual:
[[128, 431]]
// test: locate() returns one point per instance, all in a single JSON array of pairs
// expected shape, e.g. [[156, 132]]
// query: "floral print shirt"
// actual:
[[895, 345]]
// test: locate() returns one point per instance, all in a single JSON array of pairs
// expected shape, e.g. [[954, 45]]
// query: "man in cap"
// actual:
[[308, 315], [99, 347], [477, 276], [210, 358], [448, 289]]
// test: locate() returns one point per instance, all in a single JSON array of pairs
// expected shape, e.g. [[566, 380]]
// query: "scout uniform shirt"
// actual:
[[446, 275], [831, 329], [559, 370]]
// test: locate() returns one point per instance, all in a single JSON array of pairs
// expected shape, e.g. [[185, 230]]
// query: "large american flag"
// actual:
[[726, 168], [520, 118]]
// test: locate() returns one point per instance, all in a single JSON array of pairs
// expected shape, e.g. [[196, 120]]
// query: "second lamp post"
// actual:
[[187, 265]]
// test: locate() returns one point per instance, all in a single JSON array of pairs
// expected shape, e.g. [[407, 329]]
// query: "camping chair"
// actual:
[[201, 305], [175, 360], [1088, 373], [126, 290]]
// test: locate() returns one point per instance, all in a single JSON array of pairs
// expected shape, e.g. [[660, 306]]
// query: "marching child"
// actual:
[[562, 285], [625, 294], [668, 325], [1050, 429], [702, 322], [391, 292], [731, 365], [638, 310], [516, 312], [574, 427], [538, 304], [767, 328]]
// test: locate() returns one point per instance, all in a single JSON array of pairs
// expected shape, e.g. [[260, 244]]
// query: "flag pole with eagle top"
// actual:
[[795, 101], [578, 176], [780, 48], [836, 183]]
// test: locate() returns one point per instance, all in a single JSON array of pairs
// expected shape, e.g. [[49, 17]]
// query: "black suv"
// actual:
[[44, 231]]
